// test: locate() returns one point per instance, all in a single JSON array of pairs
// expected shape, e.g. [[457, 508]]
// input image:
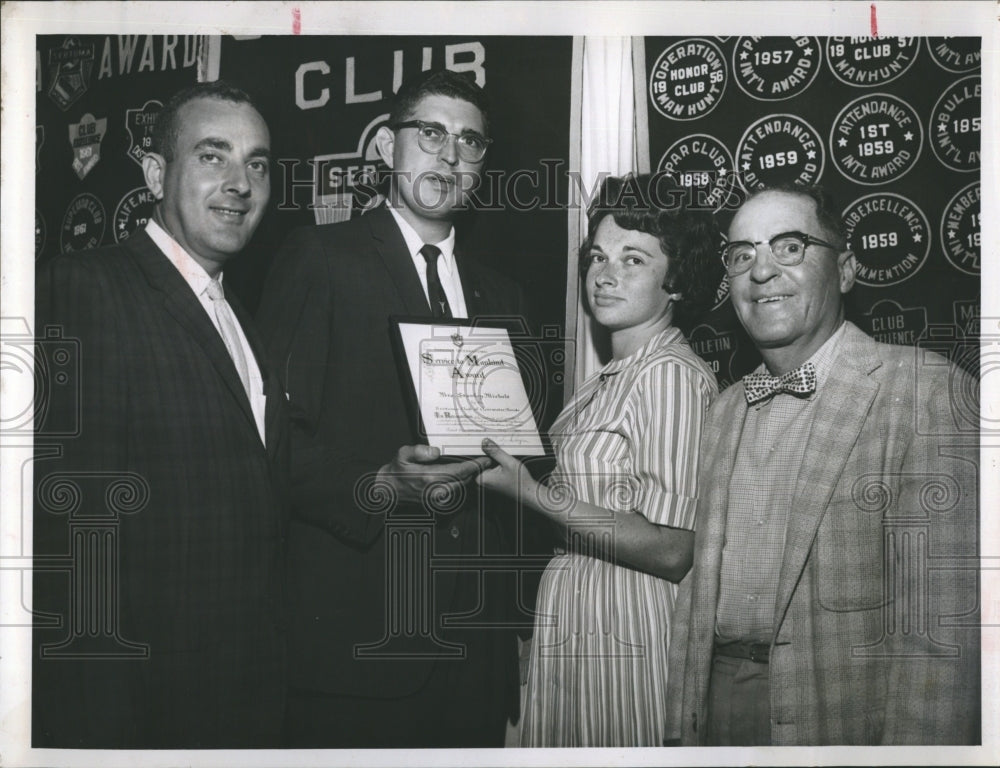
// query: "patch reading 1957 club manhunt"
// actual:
[[960, 234], [775, 68], [868, 61], [955, 124], [702, 164], [888, 234], [688, 79], [82, 224], [876, 138], [779, 149]]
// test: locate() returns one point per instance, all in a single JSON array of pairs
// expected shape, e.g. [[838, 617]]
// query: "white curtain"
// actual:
[[606, 123]]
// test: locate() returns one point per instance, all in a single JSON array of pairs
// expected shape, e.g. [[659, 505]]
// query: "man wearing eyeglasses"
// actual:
[[833, 596], [434, 682]]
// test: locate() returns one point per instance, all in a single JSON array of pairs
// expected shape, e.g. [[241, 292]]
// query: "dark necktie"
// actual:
[[435, 291], [798, 381]]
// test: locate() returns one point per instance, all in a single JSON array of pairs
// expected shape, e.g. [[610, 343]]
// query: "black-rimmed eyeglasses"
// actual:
[[431, 137], [788, 249]]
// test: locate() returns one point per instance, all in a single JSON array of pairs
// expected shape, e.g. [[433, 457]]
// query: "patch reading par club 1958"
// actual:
[[867, 61], [960, 234], [876, 138], [688, 79], [82, 224], [956, 123], [888, 234], [702, 164], [779, 149], [775, 68]]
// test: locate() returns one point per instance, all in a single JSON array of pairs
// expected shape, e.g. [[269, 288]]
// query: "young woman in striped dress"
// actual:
[[625, 487]]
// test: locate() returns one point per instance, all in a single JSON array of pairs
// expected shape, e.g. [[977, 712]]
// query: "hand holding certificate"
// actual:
[[467, 385]]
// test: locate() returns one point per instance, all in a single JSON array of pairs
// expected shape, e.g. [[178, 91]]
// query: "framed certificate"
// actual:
[[467, 384]]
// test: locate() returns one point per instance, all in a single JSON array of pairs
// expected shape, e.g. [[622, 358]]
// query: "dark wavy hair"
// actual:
[[656, 205], [167, 128], [827, 210], [439, 82]]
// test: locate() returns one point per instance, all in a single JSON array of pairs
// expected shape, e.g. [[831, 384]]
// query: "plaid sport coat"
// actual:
[[876, 637]]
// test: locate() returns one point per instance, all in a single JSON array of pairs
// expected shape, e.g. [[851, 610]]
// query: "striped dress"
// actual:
[[628, 441]]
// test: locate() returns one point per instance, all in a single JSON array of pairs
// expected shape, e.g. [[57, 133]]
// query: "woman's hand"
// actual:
[[508, 476]]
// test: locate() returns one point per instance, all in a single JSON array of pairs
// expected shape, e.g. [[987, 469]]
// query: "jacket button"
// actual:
[[455, 532]]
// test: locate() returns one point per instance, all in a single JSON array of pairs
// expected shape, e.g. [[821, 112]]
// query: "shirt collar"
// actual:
[[822, 359], [669, 335], [414, 243], [193, 273]]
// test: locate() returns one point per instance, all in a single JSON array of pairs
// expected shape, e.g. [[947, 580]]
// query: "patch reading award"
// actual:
[[868, 61], [39, 233], [956, 54], [775, 68], [955, 125], [960, 234], [85, 138], [888, 234], [132, 212], [876, 139], [139, 124], [82, 224], [702, 164], [69, 71], [779, 149], [688, 80]]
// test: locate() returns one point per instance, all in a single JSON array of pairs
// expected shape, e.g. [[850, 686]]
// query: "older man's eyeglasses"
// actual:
[[788, 249], [431, 138]]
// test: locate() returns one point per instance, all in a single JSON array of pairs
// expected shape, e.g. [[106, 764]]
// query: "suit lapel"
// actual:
[[391, 248], [179, 300], [844, 403], [472, 289]]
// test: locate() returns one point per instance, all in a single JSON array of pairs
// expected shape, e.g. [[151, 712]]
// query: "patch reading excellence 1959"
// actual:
[[956, 54], [775, 68], [955, 124], [876, 138], [702, 164], [779, 149], [888, 234], [868, 61], [82, 224], [688, 79], [960, 234]]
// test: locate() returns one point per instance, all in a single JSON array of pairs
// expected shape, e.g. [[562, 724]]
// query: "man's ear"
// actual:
[[848, 267], [153, 168], [385, 142]]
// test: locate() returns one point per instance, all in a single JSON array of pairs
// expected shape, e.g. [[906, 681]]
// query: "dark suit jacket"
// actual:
[[196, 516], [876, 634], [325, 318]]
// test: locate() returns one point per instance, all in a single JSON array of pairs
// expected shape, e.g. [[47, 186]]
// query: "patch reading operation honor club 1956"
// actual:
[[956, 54], [82, 224], [688, 79], [702, 164], [955, 125], [775, 68], [132, 212], [876, 138], [889, 236], [779, 149], [960, 233], [868, 61]]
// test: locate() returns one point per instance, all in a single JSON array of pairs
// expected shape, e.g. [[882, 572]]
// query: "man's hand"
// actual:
[[415, 472]]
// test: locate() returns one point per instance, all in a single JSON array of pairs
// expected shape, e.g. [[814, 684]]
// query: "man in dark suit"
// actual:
[[833, 595], [447, 677], [159, 526]]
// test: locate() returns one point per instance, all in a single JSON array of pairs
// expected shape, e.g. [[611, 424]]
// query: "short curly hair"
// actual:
[[167, 126], [827, 211], [690, 238]]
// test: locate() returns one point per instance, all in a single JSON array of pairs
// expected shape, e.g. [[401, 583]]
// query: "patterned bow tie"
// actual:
[[798, 381]]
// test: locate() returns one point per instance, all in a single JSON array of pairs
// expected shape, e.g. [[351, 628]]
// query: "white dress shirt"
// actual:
[[198, 279], [447, 268]]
